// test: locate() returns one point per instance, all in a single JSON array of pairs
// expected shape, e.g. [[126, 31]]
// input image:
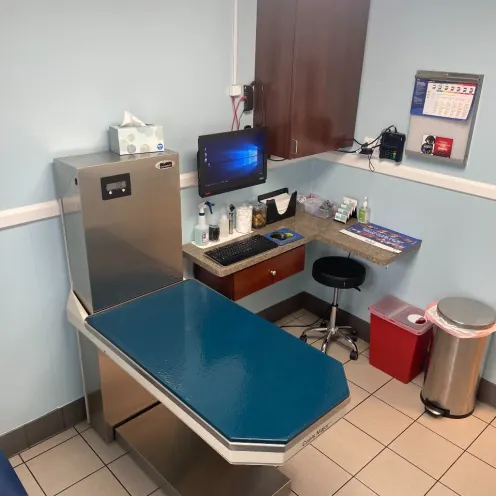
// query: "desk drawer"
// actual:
[[264, 274]]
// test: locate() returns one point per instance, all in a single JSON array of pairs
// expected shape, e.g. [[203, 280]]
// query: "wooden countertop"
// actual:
[[313, 229]]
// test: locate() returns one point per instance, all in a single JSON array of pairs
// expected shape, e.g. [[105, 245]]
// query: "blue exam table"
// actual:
[[245, 386], [10, 485]]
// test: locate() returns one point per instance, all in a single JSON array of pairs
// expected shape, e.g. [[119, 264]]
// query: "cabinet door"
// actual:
[[328, 58], [274, 71]]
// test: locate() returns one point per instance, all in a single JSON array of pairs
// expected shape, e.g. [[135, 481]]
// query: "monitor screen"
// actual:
[[230, 161]]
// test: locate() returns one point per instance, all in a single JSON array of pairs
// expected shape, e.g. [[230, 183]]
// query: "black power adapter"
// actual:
[[248, 94]]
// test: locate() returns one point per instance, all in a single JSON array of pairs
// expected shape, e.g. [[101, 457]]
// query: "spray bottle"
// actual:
[[201, 229], [213, 223]]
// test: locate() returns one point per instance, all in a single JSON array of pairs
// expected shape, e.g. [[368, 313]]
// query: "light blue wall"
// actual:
[[39, 368], [67, 74], [404, 37], [457, 254]]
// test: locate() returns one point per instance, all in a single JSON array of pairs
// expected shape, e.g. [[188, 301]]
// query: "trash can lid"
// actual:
[[467, 313]]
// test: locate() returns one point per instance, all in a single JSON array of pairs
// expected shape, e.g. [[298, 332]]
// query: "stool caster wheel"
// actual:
[[303, 338], [353, 355], [354, 338]]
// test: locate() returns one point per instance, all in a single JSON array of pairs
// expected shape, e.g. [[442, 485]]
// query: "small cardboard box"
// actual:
[[141, 139]]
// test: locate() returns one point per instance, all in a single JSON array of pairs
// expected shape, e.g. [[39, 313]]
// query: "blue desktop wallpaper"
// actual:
[[233, 158]]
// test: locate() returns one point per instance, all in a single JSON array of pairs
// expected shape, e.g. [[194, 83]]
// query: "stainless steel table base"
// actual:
[[184, 465]]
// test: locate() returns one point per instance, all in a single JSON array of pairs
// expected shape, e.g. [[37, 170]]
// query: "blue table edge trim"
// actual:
[[231, 445]]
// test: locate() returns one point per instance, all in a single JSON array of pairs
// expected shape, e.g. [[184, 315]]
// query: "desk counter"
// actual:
[[313, 229]]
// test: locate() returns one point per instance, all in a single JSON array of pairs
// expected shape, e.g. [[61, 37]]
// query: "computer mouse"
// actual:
[[278, 235]]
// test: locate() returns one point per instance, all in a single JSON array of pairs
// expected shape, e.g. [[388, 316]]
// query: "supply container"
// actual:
[[399, 338], [312, 206], [462, 331], [244, 218], [259, 217]]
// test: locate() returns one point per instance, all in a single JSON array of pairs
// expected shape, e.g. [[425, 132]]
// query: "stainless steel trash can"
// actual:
[[452, 379]]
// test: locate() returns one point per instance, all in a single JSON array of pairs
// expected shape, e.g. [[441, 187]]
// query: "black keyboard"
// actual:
[[241, 250]]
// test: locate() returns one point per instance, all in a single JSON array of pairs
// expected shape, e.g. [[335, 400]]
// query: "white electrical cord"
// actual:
[[235, 44]]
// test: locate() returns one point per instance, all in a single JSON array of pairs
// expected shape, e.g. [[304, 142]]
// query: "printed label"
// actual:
[[165, 164], [316, 434], [160, 146]]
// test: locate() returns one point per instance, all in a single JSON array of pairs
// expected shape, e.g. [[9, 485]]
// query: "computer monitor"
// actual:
[[231, 161]]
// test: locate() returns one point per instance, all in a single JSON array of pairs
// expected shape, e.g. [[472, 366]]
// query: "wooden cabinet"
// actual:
[[309, 58], [255, 278]]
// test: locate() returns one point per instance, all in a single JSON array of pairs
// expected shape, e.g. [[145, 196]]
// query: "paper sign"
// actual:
[[436, 145], [442, 99]]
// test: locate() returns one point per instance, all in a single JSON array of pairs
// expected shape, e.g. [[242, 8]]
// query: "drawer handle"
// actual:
[[273, 273]]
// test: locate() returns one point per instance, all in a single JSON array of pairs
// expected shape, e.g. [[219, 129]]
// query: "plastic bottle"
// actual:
[[213, 223], [364, 212], [224, 226], [201, 229]]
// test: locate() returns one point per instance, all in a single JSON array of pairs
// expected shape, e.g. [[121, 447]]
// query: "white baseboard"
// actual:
[[47, 210]]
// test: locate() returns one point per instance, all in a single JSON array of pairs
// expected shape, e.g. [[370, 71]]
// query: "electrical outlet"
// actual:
[[235, 90], [368, 139]]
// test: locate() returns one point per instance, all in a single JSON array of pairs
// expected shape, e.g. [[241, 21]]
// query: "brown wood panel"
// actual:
[[223, 285], [266, 273], [276, 20], [328, 59]]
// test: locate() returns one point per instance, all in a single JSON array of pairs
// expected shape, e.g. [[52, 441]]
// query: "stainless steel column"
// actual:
[[185, 465]]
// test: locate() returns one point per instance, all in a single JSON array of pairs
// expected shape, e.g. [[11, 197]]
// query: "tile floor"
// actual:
[[382, 444]]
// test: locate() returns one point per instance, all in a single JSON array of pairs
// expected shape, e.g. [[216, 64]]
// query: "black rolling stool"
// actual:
[[338, 273]]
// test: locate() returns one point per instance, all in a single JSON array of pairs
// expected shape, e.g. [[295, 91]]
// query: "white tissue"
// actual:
[[282, 202], [131, 120]]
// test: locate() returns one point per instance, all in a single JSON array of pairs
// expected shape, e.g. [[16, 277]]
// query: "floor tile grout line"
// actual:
[[392, 406], [334, 461], [416, 466], [106, 465], [449, 440], [368, 463], [444, 485], [36, 480], [360, 482], [336, 492], [369, 488], [463, 452], [360, 429], [118, 458], [49, 449], [80, 480]]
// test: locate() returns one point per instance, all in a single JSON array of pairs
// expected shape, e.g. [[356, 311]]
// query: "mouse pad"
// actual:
[[295, 237]]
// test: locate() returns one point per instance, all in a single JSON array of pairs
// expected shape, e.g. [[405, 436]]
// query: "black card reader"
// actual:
[[392, 146]]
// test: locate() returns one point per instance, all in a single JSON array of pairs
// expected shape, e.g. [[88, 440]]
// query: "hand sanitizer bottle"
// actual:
[[364, 212], [201, 229]]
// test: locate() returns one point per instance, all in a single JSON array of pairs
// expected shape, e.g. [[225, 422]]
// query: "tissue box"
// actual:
[[140, 139]]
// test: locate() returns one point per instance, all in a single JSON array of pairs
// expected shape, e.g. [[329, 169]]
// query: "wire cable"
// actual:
[[366, 148], [233, 101], [240, 117]]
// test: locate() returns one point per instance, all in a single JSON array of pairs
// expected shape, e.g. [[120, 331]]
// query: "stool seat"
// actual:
[[339, 272]]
